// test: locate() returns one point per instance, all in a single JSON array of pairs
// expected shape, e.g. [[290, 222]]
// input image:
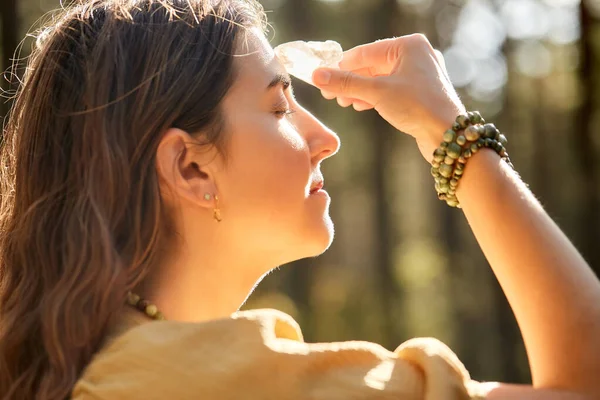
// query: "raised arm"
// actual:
[[553, 292]]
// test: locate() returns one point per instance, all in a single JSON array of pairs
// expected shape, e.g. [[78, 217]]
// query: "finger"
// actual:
[[442, 62], [361, 106], [381, 54], [440, 58], [367, 72], [348, 84], [328, 95], [345, 102]]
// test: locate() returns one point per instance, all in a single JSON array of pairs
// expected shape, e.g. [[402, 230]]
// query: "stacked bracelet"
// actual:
[[468, 135]]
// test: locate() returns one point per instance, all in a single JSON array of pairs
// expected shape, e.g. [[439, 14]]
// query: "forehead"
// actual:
[[255, 60]]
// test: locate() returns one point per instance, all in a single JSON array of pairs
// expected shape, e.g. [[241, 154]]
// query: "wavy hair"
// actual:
[[81, 216]]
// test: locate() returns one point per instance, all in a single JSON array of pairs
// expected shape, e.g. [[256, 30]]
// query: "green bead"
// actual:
[[474, 148], [498, 147], [456, 127], [490, 131], [449, 136], [449, 160], [151, 310], [444, 181], [463, 121], [442, 196], [482, 119], [439, 155], [435, 164], [480, 142], [462, 160], [489, 142], [452, 192], [472, 133], [454, 150], [444, 145], [446, 170], [461, 140], [452, 203], [459, 172], [503, 140], [475, 117], [460, 167], [435, 172], [467, 153], [454, 183]]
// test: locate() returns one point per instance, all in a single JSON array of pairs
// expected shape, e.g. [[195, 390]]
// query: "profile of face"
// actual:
[[268, 183]]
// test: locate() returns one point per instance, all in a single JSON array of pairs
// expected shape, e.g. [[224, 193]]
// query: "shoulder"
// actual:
[[261, 355], [159, 356]]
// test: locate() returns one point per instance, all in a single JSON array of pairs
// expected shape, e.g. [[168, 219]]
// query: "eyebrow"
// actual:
[[280, 79]]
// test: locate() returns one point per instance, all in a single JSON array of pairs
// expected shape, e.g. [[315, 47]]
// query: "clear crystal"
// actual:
[[302, 58]]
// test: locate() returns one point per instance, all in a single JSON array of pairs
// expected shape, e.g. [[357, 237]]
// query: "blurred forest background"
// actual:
[[403, 264]]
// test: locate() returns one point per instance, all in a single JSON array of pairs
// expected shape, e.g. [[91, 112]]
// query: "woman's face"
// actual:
[[275, 152]]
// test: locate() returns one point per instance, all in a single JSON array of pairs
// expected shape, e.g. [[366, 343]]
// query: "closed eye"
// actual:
[[284, 113], [282, 109]]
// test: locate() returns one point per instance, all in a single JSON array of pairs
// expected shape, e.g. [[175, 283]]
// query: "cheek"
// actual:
[[269, 168]]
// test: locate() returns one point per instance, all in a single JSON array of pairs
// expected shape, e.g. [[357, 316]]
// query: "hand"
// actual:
[[404, 79]]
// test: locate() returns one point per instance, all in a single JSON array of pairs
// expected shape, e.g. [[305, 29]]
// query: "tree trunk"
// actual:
[[382, 25], [583, 131]]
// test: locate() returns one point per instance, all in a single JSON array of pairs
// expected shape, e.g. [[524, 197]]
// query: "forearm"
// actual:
[[524, 392], [552, 291]]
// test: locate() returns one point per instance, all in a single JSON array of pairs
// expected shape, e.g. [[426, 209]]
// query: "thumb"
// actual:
[[347, 84]]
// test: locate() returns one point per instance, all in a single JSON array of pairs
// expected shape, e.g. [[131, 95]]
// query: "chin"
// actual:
[[321, 237]]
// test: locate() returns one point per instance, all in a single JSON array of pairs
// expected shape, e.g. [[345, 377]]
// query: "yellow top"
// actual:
[[261, 355]]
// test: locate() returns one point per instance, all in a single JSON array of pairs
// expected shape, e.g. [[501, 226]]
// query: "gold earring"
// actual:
[[217, 211]]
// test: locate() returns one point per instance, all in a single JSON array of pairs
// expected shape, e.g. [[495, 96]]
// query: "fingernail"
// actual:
[[321, 77]]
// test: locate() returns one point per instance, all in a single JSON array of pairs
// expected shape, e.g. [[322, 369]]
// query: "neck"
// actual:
[[202, 283]]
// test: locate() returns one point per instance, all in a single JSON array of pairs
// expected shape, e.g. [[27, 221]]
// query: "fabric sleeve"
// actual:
[[261, 355]]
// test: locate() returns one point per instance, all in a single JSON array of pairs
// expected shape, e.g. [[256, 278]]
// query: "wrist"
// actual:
[[439, 123], [469, 134]]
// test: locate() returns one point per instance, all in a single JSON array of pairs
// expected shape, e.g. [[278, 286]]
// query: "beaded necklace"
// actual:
[[144, 306]]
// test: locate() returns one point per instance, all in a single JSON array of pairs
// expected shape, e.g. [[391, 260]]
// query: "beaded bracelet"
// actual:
[[468, 135]]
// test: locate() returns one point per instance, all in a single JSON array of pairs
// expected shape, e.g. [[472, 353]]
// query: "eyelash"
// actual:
[[282, 109], [284, 113]]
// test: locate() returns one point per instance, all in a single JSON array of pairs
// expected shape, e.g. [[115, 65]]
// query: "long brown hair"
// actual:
[[81, 217]]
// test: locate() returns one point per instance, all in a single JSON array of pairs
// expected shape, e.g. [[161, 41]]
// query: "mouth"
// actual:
[[317, 186]]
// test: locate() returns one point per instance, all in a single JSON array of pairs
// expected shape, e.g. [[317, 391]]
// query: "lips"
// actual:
[[316, 187]]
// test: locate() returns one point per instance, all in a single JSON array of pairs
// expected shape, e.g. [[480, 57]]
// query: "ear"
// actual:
[[183, 166]]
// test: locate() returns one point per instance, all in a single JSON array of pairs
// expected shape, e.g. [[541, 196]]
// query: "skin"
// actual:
[[553, 292], [269, 217]]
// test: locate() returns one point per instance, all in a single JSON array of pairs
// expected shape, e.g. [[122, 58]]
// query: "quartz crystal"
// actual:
[[302, 58]]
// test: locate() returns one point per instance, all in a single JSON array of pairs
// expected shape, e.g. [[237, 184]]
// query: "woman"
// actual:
[[157, 165]]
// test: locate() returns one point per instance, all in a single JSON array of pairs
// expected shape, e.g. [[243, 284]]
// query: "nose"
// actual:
[[322, 141]]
